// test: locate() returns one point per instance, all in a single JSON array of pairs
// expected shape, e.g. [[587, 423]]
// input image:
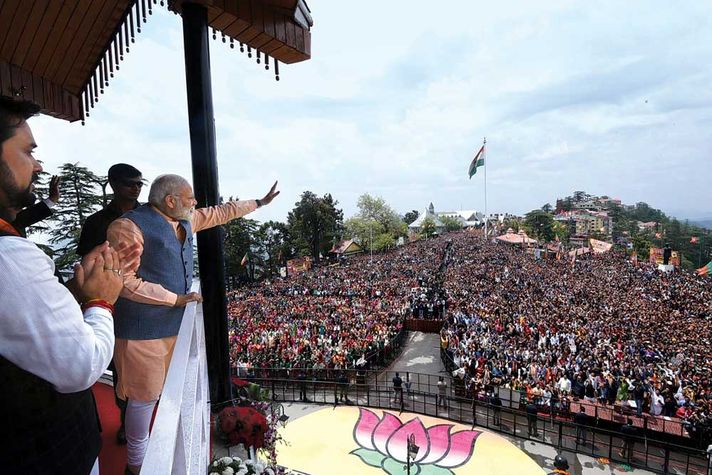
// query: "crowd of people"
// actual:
[[598, 329], [333, 316]]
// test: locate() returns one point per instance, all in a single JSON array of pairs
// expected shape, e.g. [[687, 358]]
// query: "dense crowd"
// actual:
[[332, 316], [598, 329]]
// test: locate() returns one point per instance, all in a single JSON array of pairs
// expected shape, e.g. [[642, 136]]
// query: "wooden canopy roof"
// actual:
[[61, 54]]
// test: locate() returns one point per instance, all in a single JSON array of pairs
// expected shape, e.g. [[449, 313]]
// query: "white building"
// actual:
[[468, 218]]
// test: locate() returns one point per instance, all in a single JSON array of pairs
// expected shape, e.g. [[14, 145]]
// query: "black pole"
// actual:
[[205, 182]]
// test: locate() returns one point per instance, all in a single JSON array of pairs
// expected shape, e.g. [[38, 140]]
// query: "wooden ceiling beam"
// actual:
[[52, 98], [259, 23]]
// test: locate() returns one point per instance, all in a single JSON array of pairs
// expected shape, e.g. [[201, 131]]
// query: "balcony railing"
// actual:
[[420, 395], [180, 438]]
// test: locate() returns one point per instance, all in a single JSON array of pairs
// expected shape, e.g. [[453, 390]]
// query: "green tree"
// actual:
[[240, 239], [411, 216], [384, 242], [376, 208], [376, 226], [451, 224], [512, 223], [314, 225], [79, 189], [273, 244], [547, 208], [428, 229], [566, 204], [561, 230], [580, 196], [365, 231], [641, 246], [540, 224]]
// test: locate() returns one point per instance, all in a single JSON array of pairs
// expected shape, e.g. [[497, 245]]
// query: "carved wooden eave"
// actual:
[[62, 55]]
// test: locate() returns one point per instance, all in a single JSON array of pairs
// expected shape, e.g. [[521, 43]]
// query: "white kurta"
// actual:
[[42, 328]]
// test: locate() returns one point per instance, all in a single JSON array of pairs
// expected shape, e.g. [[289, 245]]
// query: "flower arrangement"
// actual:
[[242, 425], [252, 421], [237, 466]]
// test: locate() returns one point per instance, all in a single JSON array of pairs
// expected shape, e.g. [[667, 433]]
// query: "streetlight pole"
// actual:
[[370, 229], [411, 452]]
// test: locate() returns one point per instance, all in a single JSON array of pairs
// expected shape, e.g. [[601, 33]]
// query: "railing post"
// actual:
[[474, 409], [610, 447], [561, 433], [666, 463]]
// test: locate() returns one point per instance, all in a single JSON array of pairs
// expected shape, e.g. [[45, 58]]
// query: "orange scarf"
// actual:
[[7, 228]]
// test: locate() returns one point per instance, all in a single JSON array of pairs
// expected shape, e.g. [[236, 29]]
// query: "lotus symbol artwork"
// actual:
[[384, 443]]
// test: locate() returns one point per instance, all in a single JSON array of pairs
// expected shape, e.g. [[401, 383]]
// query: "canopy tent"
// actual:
[[62, 55], [510, 237], [580, 251], [600, 247]]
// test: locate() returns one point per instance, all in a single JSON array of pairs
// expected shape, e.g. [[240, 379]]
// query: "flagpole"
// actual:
[[484, 149]]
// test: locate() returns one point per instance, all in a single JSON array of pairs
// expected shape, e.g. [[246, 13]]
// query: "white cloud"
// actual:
[[612, 98]]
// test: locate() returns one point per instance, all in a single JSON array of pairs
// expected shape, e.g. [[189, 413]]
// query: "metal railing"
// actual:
[[612, 413], [420, 395], [180, 438]]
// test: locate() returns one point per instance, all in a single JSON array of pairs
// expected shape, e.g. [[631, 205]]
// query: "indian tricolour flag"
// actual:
[[477, 162], [705, 270]]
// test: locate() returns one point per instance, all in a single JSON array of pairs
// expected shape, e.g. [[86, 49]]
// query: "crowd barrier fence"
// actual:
[[374, 389]]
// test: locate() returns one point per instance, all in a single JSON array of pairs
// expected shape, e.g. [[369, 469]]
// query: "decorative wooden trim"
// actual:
[[52, 98]]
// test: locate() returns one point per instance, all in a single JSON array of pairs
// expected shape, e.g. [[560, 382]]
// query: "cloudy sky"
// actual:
[[609, 97]]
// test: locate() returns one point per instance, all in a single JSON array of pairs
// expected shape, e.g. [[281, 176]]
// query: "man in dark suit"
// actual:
[[126, 182], [532, 412], [629, 432], [582, 420], [39, 211], [496, 408]]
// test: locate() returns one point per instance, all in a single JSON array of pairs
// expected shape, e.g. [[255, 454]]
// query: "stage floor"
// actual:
[[352, 440]]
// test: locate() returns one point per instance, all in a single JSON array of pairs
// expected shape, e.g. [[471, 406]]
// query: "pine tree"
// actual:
[[81, 197], [314, 224]]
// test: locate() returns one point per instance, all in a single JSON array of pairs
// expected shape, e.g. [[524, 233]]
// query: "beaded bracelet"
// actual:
[[98, 303]]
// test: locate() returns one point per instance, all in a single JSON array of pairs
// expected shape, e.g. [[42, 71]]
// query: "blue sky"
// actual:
[[612, 98]]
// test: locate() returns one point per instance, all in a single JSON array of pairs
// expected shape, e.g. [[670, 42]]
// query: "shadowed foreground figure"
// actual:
[[126, 182], [51, 350]]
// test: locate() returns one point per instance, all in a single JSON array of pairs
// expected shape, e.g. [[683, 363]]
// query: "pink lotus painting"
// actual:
[[383, 442]]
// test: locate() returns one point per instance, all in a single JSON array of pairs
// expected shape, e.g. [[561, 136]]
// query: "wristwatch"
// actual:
[[259, 203]]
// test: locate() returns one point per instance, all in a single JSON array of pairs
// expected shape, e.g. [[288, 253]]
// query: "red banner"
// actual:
[[299, 265], [656, 257]]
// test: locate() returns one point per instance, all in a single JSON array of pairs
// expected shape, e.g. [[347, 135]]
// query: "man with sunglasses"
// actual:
[[126, 182]]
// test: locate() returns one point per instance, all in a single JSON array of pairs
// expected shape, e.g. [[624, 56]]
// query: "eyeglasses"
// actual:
[[132, 184]]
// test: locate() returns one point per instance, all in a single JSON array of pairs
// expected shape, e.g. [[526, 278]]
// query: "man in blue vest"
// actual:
[[150, 309]]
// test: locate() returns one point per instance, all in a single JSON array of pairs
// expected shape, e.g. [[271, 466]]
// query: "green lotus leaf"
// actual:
[[434, 470], [370, 457], [394, 467]]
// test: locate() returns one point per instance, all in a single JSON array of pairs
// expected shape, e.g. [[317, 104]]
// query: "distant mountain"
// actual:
[[702, 222]]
